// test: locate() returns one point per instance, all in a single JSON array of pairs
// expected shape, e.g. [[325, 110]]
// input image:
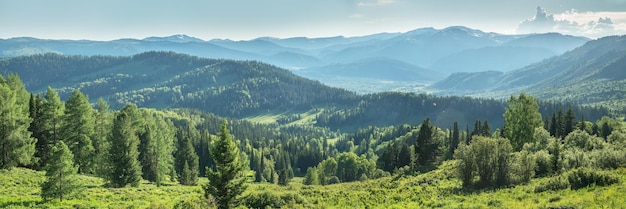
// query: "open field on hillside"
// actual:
[[19, 188]]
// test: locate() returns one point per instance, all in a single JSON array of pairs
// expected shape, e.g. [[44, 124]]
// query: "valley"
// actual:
[[432, 118]]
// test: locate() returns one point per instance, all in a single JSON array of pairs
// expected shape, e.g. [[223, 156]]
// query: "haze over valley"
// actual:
[[314, 104]]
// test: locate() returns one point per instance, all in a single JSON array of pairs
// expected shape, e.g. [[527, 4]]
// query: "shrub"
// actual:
[[263, 200], [543, 162], [553, 183], [608, 158], [584, 177]]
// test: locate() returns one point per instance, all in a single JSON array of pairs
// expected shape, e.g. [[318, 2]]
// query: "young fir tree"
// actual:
[[186, 162], [61, 179], [123, 154], [227, 180], [156, 148], [77, 130], [16, 144]]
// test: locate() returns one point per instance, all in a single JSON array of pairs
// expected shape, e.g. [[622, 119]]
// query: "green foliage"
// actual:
[[156, 148], [520, 120], [16, 145], [61, 179], [523, 166], [582, 140], [77, 130], [583, 177], [226, 180], [553, 183], [123, 154], [186, 161], [426, 147], [311, 177], [487, 158]]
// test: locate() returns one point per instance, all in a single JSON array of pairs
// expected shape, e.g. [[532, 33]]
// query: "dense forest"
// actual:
[[526, 138]]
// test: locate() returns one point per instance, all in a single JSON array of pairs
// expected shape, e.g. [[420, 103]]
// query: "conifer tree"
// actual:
[[454, 139], [186, 159], [77, 130], [61, 181], [103, 120], [123, 154], [227, 180], [156, 148], [425, 146], [16, 144], [42, 148], [568, 122], [52, 116]]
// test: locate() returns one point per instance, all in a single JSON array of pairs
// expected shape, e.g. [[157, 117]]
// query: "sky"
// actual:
[[249, 19]]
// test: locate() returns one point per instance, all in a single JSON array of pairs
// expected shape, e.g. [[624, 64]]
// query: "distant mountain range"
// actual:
[[594, 73], [421, 56]]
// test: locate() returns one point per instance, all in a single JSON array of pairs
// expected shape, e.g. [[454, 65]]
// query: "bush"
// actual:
[[608, 158], [584, 177], [543, 161], [271, 200], [553, 183], [263, 200]]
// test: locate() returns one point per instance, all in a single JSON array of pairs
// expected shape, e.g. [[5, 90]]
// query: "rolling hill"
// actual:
[[427, 50], [591, 74], [246, 89]]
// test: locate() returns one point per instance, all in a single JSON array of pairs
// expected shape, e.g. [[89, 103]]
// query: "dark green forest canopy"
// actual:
[[241, 89]]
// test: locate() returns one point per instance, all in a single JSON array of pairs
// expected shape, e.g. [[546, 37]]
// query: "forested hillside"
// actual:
[[591, 74], [132, 147], [243, 89]]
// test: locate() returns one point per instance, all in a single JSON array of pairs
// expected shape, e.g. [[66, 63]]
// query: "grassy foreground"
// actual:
[[19, 188]]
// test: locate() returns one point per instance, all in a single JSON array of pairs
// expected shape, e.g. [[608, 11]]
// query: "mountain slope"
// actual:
[[445, 51], [166, 79], [591, 74]]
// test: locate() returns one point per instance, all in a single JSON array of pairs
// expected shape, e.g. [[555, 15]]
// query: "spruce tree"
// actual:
[[425, 146], [227, 180], [16, 144], [123, 154], [568, 122], [61, 181], [186, 162], [42, 148], [78, 129], [454, 139]]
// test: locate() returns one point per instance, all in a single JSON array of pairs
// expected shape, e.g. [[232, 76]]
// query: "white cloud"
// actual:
[[572, 22]]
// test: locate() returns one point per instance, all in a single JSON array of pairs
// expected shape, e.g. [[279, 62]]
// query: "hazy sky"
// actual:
[[248, 19]]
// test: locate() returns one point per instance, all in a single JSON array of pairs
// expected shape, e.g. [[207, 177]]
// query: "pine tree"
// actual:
[[454, 139], [42, 148], [52, 116], [16, 144], [77, 130], [425, 146], [485, 130], [521, 117], [186, 158], [568, 122], [61, 181], [123, 154], [227, 180], [102, 129]]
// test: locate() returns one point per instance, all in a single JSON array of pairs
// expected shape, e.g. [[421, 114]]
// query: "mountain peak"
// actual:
[[178, 38]]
